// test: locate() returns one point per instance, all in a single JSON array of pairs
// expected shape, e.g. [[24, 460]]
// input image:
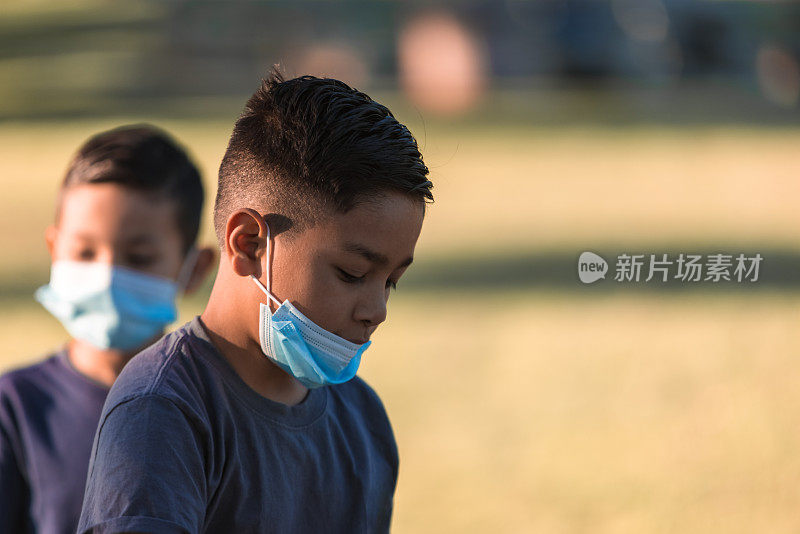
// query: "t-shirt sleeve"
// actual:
[[14, 492], [147, 472]]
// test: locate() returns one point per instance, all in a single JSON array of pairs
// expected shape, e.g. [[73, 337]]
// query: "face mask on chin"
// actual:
[[305, 350]]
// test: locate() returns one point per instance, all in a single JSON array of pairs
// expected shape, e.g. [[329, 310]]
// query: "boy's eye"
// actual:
[[86, 254], [349, 278]]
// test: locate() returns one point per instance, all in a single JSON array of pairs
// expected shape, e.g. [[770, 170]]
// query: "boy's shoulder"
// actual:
[[168, 368], [31, 378]]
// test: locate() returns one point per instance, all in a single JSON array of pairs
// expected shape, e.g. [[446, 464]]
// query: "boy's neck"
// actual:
[[230, 337], [102, 366]]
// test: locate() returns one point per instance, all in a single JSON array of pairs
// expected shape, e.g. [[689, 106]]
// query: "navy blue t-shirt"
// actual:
[[185, 446], [48, 417]]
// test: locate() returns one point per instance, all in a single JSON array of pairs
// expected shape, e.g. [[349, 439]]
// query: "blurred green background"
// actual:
[[522, 400]]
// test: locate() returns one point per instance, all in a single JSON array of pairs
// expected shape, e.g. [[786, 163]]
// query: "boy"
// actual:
[[122, 245], [249, 418]]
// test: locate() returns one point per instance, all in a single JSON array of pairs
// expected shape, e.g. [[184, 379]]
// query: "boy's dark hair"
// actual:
[[310, 144], [145, 159]]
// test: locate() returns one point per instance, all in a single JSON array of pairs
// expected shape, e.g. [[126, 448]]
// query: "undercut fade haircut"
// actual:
[[306, 146], [144, 159]]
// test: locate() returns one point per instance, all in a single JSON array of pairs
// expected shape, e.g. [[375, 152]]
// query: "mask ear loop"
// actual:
[[187, 267], [266, 290]]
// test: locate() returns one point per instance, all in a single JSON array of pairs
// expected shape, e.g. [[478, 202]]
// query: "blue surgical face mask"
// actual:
[[108, 306], [300, 347]]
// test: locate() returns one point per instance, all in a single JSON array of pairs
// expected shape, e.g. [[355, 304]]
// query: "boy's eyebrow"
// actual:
[[371, 255], [84, 236]]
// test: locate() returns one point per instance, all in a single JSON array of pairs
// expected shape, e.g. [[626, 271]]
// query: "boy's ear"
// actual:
[[50, 234], [245, 242], [202, 267]]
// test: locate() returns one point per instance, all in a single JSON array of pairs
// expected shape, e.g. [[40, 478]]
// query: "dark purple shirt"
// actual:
[[184, 446], [48, 417]]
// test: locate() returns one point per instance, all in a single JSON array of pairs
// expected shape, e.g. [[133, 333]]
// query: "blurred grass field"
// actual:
[[535, 410]]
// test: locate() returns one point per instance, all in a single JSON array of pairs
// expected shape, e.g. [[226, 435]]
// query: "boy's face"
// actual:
[[115, 225], [339, 272]]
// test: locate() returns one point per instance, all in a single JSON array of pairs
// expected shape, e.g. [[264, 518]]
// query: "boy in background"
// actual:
[[122, 247], [250, 419]]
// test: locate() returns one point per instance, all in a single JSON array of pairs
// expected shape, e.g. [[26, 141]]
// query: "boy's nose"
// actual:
[[108, 256], [372, 312]]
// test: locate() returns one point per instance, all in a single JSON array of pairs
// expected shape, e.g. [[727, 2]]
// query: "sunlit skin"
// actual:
[[338, 273], [115, 225]]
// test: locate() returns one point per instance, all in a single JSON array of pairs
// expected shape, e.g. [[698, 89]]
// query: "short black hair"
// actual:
[[309, 144], [146, 159]]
